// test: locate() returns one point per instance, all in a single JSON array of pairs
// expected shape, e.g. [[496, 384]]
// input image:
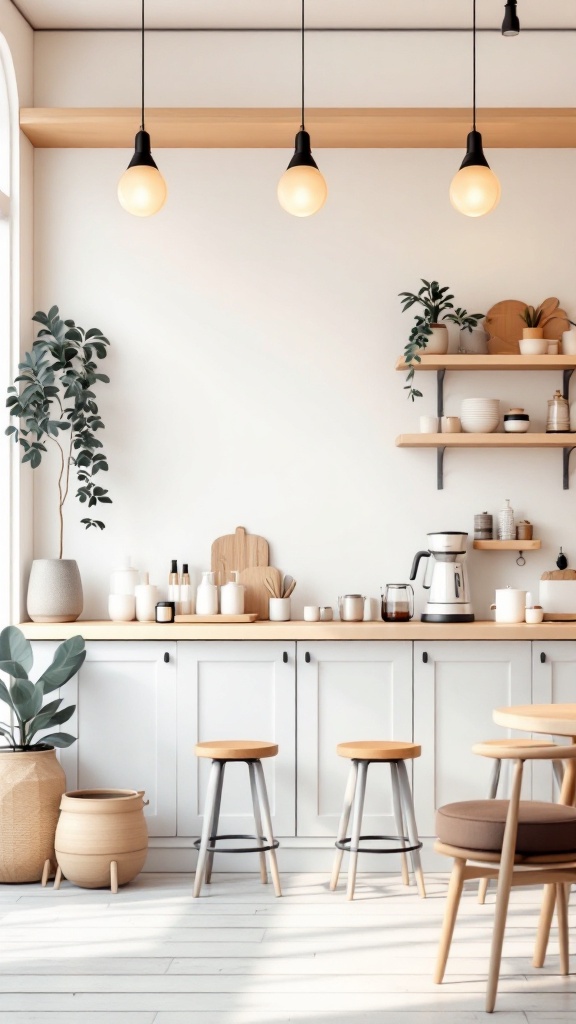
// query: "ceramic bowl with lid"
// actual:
[[516, 421]]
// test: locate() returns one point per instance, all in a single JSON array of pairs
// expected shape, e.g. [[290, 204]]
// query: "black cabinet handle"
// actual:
[[166, 656], [542, 657], [285, 657], [425, 657], [307, 657]]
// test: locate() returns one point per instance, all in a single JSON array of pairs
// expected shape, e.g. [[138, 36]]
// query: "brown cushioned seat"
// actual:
[[543, 828]]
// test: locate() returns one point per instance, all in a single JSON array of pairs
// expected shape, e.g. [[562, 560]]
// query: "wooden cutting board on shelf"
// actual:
[[239, 550], [256, 596], [504, 324]]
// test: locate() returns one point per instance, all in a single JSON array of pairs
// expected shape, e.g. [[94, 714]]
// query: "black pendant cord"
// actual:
[[473, 65], [142, 121], [302, 50]]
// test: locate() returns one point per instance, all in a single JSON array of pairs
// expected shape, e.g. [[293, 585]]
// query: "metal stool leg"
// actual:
[[257, 821], [207, 825], [356, 826], [344, 819], [406, 795], [214, 825], [398, 818], [494, 780], [265, 809]]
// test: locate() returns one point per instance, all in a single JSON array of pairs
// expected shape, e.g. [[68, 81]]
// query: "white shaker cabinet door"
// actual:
[[457, 685], [553, 682], [236, 690], [125, 722], [349, 690]]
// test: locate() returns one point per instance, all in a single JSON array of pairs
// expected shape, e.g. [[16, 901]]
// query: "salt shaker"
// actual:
[[506, 528]]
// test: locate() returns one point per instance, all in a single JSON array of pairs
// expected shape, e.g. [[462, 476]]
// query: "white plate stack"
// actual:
[[480, 415]]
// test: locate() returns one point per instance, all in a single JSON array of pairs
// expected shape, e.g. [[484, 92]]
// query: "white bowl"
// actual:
[[533, 346], [479, 424], [474, 404]]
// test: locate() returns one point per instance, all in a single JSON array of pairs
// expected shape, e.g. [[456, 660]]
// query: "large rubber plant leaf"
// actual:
[[58, 739], [68, 658], [47, 720], [15, 647], [5, 695], [27, 698]]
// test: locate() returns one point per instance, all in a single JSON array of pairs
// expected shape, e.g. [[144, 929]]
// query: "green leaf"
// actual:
[[58, 739], [47, 719], [15, 647], [26, 698], [5, 695], [69, 657], [13, 668]]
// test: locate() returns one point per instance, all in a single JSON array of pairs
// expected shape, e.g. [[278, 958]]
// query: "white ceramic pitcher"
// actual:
[[510, 605]]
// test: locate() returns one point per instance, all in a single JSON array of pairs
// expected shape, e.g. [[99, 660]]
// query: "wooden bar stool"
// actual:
[[363, 753], [221, 752], [557, 768]]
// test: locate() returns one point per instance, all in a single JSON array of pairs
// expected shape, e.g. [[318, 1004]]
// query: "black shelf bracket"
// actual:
[[566, 453], [440, 374], [566, 375], [440, 467]]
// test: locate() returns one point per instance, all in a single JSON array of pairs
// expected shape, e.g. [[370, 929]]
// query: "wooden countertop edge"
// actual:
[[298, 630]]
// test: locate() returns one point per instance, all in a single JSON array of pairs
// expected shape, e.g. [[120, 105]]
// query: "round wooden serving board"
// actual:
[[504, 324]]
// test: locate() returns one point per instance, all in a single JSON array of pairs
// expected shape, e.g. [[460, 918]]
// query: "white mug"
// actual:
[[510, 605], [428, 424], [451, 425], [279, 609], [534, 615], [311, 613]]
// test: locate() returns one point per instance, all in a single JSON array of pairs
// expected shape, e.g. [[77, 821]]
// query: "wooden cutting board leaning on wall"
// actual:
[[504, 324], [239, 550]]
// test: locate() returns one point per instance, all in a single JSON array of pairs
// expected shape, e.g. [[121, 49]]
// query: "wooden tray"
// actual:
[[247, 617], [559, 616]]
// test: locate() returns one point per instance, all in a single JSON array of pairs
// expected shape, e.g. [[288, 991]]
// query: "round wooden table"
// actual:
[[552, 719]]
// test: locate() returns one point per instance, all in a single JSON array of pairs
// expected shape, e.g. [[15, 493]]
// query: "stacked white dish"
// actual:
[[480, 415]]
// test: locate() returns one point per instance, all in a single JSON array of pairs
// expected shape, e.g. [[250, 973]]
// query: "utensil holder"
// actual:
[[279, 609]]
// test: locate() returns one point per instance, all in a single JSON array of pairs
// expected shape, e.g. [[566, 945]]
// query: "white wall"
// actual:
[[253, 354]]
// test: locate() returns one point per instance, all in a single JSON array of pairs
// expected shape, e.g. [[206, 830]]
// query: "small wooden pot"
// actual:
[[532, 332], [31, 785], [101, 838]]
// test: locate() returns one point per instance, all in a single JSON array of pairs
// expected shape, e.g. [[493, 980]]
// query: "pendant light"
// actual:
[[142, 189], [511, 23], [302, 190], [475, 189]]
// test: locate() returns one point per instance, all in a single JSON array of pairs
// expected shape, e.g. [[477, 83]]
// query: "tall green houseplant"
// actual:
[[57, 406]]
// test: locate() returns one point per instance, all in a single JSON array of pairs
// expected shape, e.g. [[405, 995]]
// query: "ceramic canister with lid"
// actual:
[[516, 421], [510, 605], [506, 527], [124, 579], [558, 421], [232, 596]]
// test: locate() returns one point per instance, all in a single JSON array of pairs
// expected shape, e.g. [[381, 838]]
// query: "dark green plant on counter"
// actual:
[[25, 698], [464, 320], [531, 316], [434, 301], [58, 376]]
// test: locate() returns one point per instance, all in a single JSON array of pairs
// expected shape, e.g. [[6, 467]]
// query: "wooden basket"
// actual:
[[31, 785]]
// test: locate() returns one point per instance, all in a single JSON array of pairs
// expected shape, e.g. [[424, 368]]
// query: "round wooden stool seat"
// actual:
[[236, 750], [505, 742], [378, 750]]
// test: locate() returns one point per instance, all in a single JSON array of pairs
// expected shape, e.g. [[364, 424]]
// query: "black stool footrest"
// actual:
[[344, 844], [212, 848]]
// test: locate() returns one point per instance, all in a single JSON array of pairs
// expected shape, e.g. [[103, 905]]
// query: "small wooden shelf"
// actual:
[[275, 127], [496, 440], [507, 545], [461, 361]]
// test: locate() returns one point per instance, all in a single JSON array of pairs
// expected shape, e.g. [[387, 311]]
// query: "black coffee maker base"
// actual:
[[447, 618]]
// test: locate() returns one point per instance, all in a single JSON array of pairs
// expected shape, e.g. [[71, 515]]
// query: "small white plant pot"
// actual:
[[279, 609], [437, 342]]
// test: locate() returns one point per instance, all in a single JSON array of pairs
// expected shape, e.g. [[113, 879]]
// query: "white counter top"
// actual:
[[298, 630]]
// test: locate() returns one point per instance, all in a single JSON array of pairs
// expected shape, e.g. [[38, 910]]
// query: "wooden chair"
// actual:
[[519, 843]]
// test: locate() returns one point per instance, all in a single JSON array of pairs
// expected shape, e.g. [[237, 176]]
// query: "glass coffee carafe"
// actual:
[[397, 602]]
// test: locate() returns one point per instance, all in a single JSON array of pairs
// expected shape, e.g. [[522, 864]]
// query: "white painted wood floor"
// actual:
[[153, 955]]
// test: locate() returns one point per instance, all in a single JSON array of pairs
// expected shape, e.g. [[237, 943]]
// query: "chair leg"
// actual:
[[563, 937], [356, 827], [558, 769], [399, 818], [257, 821], [214, 825], [504, 885], [544, 925], [406, 794], [266, 817], [344, 820], [207, 826], [494, 780], [452, 903]]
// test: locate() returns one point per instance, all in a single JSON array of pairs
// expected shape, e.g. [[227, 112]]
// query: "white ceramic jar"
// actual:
[[510, 605], [232, 596], [124, 579], [146, 595]]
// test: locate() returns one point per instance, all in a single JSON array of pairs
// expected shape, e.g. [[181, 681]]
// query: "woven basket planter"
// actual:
[[101, 839], [31, 786]]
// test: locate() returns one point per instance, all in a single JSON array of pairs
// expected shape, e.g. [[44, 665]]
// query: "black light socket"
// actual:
[[511, 23], [302, 152], [142, 154], [474, 152]]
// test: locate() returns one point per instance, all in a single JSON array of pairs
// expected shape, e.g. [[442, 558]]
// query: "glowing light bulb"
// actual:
[[302, 190], [142, 190], [475, 190]]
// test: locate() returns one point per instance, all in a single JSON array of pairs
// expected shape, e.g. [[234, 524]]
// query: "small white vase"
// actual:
[[437, 342], [474, 342], [569, 342], [54, 590]]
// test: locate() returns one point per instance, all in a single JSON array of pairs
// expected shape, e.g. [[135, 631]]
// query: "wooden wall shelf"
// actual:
[[499, 440], [456, 361], [507, 545], [274, 127]]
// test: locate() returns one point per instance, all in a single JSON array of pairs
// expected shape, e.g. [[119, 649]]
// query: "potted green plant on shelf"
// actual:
[[56, 407], [532, 317], [32, 780], [427, 332], [472, 339]]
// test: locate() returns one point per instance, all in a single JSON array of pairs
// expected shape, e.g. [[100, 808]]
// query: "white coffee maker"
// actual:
[[446, 578]]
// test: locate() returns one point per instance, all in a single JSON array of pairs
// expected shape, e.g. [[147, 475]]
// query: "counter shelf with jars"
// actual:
[[457, 361]]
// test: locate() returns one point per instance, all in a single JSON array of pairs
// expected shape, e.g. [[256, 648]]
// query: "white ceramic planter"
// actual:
[[437, 343], [54, 590]]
